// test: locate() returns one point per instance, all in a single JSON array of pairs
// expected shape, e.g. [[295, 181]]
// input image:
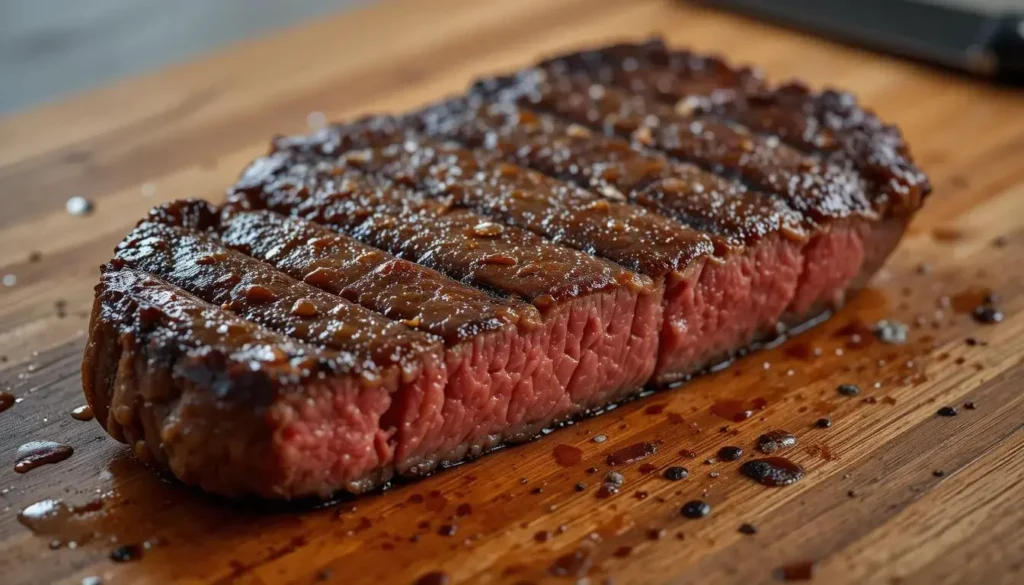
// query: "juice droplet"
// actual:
[[83, 413], [738, 410], [773, 471], [802, 571], [775, 440], [434, 578], [634, 452], [567, 455], [7, 400], [37, 453]]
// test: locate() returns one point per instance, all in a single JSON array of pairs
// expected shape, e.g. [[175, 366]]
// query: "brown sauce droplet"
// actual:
[[675, 418], [434, 578], [647, 468], [773, 471], [634, 452], [655, 409], [567, 455], [37, 453], [448, 530], [575, 564], [775, 440], [542, 536], [738, 410], [800, 351], [83, 413], [803, 571], [7, 400], [730, 453], [464, 509]]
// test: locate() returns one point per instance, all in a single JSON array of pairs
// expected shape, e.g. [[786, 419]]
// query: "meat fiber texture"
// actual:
[[400, 293]]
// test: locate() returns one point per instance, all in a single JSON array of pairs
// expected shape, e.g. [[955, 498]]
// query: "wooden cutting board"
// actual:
[[893, 493]]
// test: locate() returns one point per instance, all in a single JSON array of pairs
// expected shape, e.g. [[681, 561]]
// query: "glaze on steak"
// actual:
[[400, 293]]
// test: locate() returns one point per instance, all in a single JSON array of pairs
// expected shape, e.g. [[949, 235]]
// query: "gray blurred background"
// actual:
[[51, 48]]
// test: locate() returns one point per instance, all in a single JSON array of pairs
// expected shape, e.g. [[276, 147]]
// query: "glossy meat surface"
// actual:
[[420, 297], [606, 226], [829, 122], [614, 167], [430, 231], [821, 190], [256, 292]]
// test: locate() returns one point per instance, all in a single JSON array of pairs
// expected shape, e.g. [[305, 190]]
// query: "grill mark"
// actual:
[[172, 322], [563, 213], [568, 151], [257, 292], [821, 190], [398, 289], [428, 231], [829, 123]]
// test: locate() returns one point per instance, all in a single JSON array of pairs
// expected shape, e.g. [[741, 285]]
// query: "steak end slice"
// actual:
[[396, 294]]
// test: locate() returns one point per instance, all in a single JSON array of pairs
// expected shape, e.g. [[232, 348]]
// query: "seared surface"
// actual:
[[563, 213], [467, 274], [245, 362], [421, 297], [830, 122], [255, 291], [612, 166], [429, 231], [814, 187]]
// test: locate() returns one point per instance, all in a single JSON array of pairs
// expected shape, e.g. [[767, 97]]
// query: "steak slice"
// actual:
[[510, 370], [733, 302], [856, 234], [596, 333], [224, 403], [400, 293]]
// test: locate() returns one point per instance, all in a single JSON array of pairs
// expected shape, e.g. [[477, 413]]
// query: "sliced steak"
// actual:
[[594, 338], [400, 293], [695, 332], [854, 236], [510, 370], [737, 299]]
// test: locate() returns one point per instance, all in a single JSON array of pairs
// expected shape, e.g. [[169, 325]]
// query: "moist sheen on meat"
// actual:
[[396, 294]]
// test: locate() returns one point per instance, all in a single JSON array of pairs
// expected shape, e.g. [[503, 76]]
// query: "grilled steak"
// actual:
[[402, 292]]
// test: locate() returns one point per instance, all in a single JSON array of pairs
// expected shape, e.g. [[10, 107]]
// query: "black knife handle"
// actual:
[[981, 44]]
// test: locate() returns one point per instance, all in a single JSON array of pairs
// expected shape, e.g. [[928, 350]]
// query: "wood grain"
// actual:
[[188, 130]]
